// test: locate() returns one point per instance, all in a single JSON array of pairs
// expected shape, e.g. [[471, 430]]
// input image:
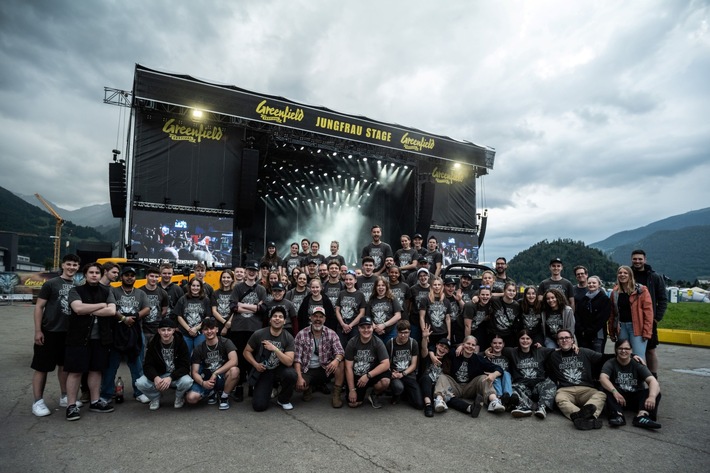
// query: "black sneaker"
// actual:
[[238, 394], [73, 412], [514, 401], [374, 400], [395, 399], [585, 424], [100, 406], [476, 406], [586, 412], [505, 399], [617, 421], [429, 410], [645, 422]]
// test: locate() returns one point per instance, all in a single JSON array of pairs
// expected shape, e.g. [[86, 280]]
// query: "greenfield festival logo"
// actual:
[[448, 177], [192, 134], [278, 115], [414, 144]]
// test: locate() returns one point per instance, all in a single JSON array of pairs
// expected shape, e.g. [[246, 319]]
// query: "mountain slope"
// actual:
[[676, 222]]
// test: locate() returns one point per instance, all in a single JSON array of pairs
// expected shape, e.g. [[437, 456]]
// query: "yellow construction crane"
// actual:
[[57, 231]]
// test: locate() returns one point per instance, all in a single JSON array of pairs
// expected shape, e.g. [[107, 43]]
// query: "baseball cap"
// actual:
[[252, 265], [365, 321], [555, 260], [278, 287], [422, 270], [444, 341], [127, 269], [319, 309], [167, 323], [449, 281], [417, 235], [271, 244]]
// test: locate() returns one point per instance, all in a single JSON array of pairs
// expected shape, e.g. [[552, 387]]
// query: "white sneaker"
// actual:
[[39, 408], [179, 402], [64, 402], [143, 399], [287, 406], [496, 406], [154, 404], [440, 405]]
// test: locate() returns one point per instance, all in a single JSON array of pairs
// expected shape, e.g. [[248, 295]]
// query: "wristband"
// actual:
[[369, 376]]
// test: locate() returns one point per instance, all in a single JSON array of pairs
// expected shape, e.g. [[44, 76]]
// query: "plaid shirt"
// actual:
[[328, 347]]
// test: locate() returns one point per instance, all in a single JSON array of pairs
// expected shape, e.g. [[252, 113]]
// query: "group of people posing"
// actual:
[[394, 327]]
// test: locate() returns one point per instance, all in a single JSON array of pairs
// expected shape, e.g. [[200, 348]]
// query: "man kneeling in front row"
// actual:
[[166, 365], [214, 367]]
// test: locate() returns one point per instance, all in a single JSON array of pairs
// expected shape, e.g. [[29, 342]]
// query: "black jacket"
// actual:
[[154, 365]]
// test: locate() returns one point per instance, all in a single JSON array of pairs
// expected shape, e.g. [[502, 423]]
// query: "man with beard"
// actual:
[[131, 307], [167, 365], [377, 250], [318, 357], [270, 352], [366, 365], [466, 291], [644, 274], [501, 277], [214, 368]]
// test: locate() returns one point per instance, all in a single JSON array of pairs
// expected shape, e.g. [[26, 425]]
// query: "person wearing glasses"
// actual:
[[572, 370], [629, 384], [501, 276], [581, 275]]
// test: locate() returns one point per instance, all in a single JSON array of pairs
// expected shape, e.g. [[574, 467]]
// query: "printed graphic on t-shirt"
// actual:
[[554, 323], [626, 381], [462, 373], [401, 359], [273, 361], [437, 314], [571, 368], [153, 302], [193, 314], [251, 298], [168, 354], [380, 311], [362, 362]]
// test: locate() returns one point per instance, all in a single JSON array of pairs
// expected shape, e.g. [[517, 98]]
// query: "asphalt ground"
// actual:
[[314, 436]]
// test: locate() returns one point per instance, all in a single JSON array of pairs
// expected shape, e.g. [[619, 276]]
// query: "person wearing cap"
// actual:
[[131, 306], [413, 276], [406, 258], [349, 308], [247, 297], [415, 296], [435, 362], [271, 258], [366, 365], [556, 281], [270, 352], [434, 257], [417, 244], [471, 377], [404, 359], [311, 268], [88, 338], [213, 368], [377, 250], [278, 293], [318, 357], [466, 291], [263, 277], [454, 298], [166, 365]]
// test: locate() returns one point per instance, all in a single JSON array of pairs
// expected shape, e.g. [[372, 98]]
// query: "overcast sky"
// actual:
[[598, 111]]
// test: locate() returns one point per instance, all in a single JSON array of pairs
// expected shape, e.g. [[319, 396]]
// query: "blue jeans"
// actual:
[[388, 335], [638, 344], [193, 342], [108, 378], [503, 384], [182, 385]]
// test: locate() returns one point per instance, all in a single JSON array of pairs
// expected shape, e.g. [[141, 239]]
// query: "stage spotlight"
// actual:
[[364, 159], [350, 156], [197, 114], [338, 176], [318, 150], [303, 185], [406, 167], [335, 153], [379, 161], [392, 164], [288, 183], [457, 165], [325, 174], [330, 189], [317, 187], [302, 147], [352, 178], [310, 172]]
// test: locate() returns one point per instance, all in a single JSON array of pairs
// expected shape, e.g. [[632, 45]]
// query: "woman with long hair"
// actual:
[[191, 310], [435, 311], [299, 291], [631, 312], [221, 299], [476, 315], [591, 316], [384, 310], [531, 316], [271, 258], [505, 313], [556, 315], [271, 279]]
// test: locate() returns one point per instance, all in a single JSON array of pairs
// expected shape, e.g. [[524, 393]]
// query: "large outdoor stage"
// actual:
[[217, 171]]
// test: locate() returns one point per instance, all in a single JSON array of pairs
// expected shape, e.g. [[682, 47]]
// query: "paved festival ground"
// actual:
[[315, 436]]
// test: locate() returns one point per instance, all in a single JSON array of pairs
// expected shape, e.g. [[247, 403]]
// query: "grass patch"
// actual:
[[687, 316]]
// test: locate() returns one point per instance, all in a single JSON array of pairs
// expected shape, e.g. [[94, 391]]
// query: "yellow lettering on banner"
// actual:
[[336, 125], [414, 144], [443, 177], [191, 134], [378, 134], [278, 115]]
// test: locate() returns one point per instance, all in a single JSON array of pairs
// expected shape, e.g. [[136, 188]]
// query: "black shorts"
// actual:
[[374, 380], [90, 357], [653, 341], [51, 354]]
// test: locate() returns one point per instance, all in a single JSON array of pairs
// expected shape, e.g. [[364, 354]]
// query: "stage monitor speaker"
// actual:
[[117, 189], [426, 208], [247, 189]]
